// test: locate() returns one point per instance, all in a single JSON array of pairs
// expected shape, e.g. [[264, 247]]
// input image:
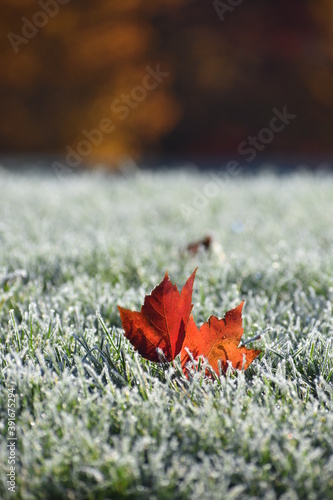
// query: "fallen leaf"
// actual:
[[218, 340], [204, 244], [162, 321]]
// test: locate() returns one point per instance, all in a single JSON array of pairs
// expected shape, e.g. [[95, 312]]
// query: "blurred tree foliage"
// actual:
[[225, 76]]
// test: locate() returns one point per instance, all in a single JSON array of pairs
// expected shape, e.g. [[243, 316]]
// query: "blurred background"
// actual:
[[165, 80]]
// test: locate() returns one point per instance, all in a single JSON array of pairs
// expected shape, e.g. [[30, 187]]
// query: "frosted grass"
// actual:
[[93, 419]]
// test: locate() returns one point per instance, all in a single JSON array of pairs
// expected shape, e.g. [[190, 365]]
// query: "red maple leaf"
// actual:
[[218, 340], [162, 321]]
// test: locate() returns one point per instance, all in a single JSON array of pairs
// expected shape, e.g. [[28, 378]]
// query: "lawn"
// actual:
[[92, 418]]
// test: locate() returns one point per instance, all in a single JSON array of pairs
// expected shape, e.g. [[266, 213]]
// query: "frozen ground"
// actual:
[[94, 420]]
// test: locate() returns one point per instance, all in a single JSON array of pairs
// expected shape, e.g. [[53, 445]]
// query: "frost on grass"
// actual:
[[96, 421]]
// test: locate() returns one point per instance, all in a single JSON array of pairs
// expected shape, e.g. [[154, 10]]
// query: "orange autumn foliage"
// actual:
[[223, 79], [162, 321], [218, 340], [165, 323]]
